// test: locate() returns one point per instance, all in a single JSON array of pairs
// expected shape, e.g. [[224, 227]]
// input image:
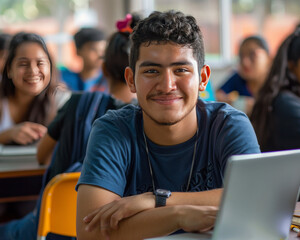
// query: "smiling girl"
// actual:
[[26, 91]]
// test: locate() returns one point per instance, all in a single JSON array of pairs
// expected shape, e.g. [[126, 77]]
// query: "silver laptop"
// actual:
[[260, 193]]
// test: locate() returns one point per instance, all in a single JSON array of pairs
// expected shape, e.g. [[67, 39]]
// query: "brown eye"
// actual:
[[151, 71]]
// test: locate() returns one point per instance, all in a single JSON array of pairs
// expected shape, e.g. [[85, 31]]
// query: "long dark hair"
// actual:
[[43, 104], [279, 78], [116, 57]]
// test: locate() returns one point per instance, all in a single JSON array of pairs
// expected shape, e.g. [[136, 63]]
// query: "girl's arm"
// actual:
[[45, 149]]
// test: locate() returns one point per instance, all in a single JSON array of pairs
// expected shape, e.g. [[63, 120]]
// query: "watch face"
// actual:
[[163, 192]]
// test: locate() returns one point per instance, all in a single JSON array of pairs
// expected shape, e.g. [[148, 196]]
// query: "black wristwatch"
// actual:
[[161, 196]]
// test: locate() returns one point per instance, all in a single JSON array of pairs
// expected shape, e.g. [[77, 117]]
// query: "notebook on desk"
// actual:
[[17, 152], [260, 193]]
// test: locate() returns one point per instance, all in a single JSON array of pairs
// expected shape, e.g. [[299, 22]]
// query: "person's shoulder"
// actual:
[[68, 75], [127, 112], [289, 96], [120, 120], [235, 77], [286, 101], [214, 109]]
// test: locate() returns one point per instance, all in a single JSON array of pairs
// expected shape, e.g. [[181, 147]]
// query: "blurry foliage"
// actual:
[[270, 6], [23, 10]]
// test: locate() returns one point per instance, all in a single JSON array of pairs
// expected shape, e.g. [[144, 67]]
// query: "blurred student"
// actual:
[[276, 113], [27, 98], [62, 128], [70, 132], [4, 42], [241, 88], [27, 102], [90, 45]]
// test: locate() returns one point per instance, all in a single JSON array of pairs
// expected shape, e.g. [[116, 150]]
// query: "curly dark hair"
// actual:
[[43, 104], [163, 27], [280, 78]]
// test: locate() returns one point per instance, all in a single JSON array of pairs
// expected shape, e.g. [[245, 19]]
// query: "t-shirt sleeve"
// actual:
[[106, 160], [235, 136], [229, 84], [55, 127]]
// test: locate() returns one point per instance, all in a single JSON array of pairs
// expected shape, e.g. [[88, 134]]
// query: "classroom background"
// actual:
[[224, 23]]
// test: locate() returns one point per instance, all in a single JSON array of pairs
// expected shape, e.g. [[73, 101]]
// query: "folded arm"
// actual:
[[102, 213]]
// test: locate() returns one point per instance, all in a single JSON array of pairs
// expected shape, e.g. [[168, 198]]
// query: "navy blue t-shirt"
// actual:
[[236, 83], [117, 161], [75, 83]]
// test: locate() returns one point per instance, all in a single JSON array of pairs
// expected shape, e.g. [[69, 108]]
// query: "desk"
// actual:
[[20, 180], [207, 236]]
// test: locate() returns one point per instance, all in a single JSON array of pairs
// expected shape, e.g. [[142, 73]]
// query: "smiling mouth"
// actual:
[[166, 100], [33, 80]]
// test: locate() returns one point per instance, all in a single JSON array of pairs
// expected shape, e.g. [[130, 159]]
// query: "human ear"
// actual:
[[204, 74], [129, 76]]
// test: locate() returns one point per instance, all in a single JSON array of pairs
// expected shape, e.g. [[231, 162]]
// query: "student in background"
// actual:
[[71, 131], [4, 42], [241, 88], [276, 113], [172, 141], [62, 128], [116, 59], [27, 102], [90, 45]]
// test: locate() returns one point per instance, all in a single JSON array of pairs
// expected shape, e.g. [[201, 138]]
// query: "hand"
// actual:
[[197, 218], [108, 216], [27, 132]]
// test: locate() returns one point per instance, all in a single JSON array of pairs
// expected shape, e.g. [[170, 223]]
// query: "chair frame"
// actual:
[[58, 207]]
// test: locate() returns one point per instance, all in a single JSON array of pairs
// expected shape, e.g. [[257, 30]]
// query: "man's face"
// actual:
[[92, 54], [166, 82]]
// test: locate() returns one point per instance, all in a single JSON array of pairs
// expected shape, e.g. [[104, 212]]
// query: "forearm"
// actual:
[[45, 149], [5, 137], [204, 198], [146, 224]]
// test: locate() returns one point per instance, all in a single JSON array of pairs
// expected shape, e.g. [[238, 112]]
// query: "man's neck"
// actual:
[[86, 74], [171, 135]]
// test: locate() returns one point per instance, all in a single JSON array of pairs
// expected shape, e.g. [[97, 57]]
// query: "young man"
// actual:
[[173, 145], [90, 46]]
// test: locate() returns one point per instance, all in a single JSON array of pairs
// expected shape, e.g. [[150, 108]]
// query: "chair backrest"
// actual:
[[58, 207]]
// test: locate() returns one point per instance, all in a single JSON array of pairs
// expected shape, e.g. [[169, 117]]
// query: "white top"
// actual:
[[5, 122]]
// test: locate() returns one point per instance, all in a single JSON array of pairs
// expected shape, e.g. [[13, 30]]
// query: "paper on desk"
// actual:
[[15, 152]]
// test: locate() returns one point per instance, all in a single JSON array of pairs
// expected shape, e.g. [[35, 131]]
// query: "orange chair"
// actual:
[[58, 207]]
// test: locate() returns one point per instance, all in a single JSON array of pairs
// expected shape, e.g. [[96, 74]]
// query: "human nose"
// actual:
[[245, 61], [33, 69], [167, 82]]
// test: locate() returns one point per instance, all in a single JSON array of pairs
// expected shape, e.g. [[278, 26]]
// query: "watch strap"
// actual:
[[160, 201]]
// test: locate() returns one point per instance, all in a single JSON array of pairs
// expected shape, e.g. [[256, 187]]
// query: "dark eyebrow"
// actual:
[[24, 58], [181, 63], [152, 64]]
